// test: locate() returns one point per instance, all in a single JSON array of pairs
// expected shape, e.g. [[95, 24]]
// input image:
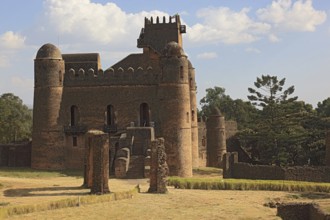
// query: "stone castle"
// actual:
[[149, 94]]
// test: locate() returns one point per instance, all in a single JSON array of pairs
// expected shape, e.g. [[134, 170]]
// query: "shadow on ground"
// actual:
[[315, 195], [46, 191]]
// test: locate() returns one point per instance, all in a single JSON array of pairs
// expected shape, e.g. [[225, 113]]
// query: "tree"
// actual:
[[15, 119], [323, 108], [270, 91], [278, 134], [238, 110]]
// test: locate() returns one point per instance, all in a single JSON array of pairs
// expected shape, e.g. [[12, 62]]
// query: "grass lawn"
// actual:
[[31, 191]]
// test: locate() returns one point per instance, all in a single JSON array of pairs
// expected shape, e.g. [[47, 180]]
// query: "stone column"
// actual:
[[159, 169], [97, 172]]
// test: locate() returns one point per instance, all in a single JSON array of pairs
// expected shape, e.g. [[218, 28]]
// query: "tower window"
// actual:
[[181, 72], [110, 115], [74, 115]]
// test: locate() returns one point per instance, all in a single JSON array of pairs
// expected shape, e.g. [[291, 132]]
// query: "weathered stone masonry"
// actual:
[[155, 88]]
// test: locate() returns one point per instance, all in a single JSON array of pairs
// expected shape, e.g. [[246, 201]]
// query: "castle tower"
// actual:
[[194, 123], [175, 114], [216, 138], [156, 34], [48, 138]]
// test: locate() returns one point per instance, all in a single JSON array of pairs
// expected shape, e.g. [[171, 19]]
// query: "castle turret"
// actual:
[[194, 123], [156, 34], [216, 138], [175, 117], [48, 138]]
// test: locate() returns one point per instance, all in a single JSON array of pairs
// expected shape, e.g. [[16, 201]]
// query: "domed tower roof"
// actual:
[[216, 111], [49, 51], [173, 49]]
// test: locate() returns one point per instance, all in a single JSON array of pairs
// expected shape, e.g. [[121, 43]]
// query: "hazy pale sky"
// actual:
[[229, 43]]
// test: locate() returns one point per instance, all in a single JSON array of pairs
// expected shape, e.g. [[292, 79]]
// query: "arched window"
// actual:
[[74, 115], [110, 115], [192, 115], [144, 115]]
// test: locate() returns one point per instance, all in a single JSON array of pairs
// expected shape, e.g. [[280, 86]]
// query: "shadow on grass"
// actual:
[[315, 195], [27, 172], [45, 191], [207, 171]]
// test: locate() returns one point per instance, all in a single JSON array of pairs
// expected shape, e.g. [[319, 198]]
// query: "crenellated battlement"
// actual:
[[171, 20], [112, 76]]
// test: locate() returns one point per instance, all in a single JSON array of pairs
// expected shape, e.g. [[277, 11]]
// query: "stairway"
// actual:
[[136, 167]]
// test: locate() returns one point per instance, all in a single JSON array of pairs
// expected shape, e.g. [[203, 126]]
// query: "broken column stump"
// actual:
[[159, 169], [97, 162]]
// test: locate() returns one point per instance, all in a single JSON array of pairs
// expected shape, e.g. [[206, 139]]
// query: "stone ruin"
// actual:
[[96, 173], [159, 169]]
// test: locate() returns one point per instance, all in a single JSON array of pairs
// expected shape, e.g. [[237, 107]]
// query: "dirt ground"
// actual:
[[177, 204]]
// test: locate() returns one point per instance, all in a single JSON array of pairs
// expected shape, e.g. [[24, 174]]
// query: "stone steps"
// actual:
[[136, 167]]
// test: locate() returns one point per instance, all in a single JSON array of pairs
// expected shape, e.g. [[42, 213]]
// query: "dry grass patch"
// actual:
[[243, 184]]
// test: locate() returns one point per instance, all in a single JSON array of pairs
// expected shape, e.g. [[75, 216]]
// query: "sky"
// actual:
[[229, 42]]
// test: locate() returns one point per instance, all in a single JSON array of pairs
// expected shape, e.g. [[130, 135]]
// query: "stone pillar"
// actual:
[[97, 167], [159, 169], [327, 149], [216, 138]]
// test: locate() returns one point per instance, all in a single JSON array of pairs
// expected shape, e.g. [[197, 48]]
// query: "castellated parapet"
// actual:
[[155, 88]]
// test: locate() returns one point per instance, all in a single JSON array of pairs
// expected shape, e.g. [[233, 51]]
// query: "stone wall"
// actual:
[[15, 155], [238, 170], [301, 211]]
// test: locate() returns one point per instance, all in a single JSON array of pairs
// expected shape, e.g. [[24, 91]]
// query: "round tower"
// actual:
[[175, 110], [194, 123], [216, 138], [47, 136]]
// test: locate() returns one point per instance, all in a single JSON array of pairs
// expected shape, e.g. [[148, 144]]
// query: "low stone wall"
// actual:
[[261, 172], [301, 211], [234, 169], [15, 155]]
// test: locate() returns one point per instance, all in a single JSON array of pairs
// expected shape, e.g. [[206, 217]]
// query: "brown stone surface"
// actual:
[[234, 169], [97, 172], [159, 168], [15, 155], [161, 78], [216, 138]]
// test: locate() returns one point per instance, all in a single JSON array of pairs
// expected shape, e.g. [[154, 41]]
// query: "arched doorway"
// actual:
[[144, 115]]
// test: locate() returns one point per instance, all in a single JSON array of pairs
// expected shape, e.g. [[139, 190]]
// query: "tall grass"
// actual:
[[243, 184], [25, 172], [64, 203]]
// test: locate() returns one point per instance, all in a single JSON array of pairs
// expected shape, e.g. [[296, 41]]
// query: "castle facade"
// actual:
[[155, 88]]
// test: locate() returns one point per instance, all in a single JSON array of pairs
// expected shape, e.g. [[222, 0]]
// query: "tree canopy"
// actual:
[[15, 119], [281, 130], [238, 110]]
